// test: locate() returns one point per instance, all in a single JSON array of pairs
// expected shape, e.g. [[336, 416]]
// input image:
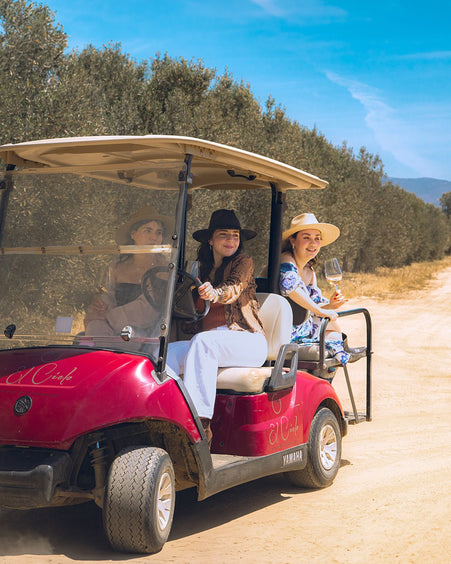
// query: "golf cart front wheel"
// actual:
[[139, 500]]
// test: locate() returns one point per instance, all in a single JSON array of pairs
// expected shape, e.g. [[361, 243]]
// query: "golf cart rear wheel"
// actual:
[[139, 500], [323, 451]]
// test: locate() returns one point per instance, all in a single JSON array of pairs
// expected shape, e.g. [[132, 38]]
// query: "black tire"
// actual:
[[139, 500], [323, 452]]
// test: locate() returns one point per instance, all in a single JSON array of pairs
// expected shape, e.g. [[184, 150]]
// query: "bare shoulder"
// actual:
[[287, 257], [120, 271]]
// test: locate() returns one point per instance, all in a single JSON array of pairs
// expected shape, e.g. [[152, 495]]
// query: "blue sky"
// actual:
[[373, 74]]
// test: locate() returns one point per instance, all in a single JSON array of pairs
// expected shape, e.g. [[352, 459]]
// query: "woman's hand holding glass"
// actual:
[[334, 274], [336, 300], [97, 309]]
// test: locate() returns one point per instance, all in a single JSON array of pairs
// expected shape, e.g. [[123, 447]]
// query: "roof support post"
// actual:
[[185, 179], [275, 237], [5, 188]]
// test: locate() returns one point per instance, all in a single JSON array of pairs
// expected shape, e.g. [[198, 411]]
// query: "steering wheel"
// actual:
[[154, 287], [184, 306]]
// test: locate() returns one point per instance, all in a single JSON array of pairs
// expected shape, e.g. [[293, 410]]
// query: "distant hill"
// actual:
[[428, 189]]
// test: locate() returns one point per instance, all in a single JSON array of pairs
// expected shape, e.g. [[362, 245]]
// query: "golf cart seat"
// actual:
[[277, 319]]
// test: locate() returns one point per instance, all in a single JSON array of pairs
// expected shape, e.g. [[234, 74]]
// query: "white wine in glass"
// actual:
[[332, 271]]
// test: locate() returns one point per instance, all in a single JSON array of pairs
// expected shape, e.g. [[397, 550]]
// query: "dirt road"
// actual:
[[389, 503]]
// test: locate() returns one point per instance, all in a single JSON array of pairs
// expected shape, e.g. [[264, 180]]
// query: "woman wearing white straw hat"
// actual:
[[301, 243]]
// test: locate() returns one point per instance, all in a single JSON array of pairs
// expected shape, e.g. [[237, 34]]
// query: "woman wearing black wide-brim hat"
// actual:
[[232, 333]]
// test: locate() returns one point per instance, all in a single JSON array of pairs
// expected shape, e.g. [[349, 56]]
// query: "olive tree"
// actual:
[[31, 51]]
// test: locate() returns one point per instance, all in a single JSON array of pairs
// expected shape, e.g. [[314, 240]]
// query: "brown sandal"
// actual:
[[207, 428]]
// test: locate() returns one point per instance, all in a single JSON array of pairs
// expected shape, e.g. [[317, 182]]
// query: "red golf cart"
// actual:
[[98, 417]]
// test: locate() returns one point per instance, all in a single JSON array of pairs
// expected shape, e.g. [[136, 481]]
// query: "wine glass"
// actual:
[[193, 268], [102, 278], [332, 271]]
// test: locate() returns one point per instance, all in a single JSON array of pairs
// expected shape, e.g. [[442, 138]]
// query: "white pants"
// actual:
[[205, 353]]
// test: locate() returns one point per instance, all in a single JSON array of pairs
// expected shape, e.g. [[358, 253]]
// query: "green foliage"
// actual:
[[47, 92], [175, 95], [101, 92], [31, 51], [445, 202]]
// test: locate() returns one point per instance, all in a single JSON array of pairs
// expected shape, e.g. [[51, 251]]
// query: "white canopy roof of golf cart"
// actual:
[[127, 158]]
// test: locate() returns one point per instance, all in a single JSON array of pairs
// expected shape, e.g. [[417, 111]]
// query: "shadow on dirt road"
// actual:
[[76, 531]]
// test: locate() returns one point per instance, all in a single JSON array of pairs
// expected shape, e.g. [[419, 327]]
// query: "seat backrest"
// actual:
[[277, 319]]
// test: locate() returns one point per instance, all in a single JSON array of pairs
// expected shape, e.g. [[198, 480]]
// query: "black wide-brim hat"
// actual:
[[223, 219]]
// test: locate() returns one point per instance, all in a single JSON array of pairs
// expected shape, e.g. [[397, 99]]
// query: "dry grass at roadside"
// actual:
[[388, 282]]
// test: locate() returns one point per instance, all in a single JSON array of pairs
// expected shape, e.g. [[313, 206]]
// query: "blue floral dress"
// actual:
[[308, 332]]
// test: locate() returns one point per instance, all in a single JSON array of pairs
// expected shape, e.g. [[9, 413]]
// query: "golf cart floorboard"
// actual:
[[220, 460]]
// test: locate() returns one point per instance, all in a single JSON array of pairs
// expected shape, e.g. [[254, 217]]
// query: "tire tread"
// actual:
[[129, 499]]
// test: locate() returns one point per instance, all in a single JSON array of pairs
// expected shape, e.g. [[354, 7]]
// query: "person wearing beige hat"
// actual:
[[121, 301], [301, 243]]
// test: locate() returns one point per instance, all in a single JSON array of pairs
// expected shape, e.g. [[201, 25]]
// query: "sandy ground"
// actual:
[[389, 503]]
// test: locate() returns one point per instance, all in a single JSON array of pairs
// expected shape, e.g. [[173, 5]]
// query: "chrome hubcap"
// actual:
[[165, 501], [328, 446]]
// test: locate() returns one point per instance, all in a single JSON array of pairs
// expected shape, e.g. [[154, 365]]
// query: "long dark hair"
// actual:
[[206, 261]]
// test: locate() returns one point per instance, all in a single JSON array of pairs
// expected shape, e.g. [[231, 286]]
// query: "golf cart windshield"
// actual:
[[73, 270], [75, 267]]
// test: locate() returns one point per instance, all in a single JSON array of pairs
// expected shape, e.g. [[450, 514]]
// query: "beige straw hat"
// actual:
[[305, 221], [143, 215]]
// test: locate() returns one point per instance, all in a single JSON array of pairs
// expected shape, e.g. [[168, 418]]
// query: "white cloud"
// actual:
[[427, 56], [296, 8], [404, 140], [269, 6]]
